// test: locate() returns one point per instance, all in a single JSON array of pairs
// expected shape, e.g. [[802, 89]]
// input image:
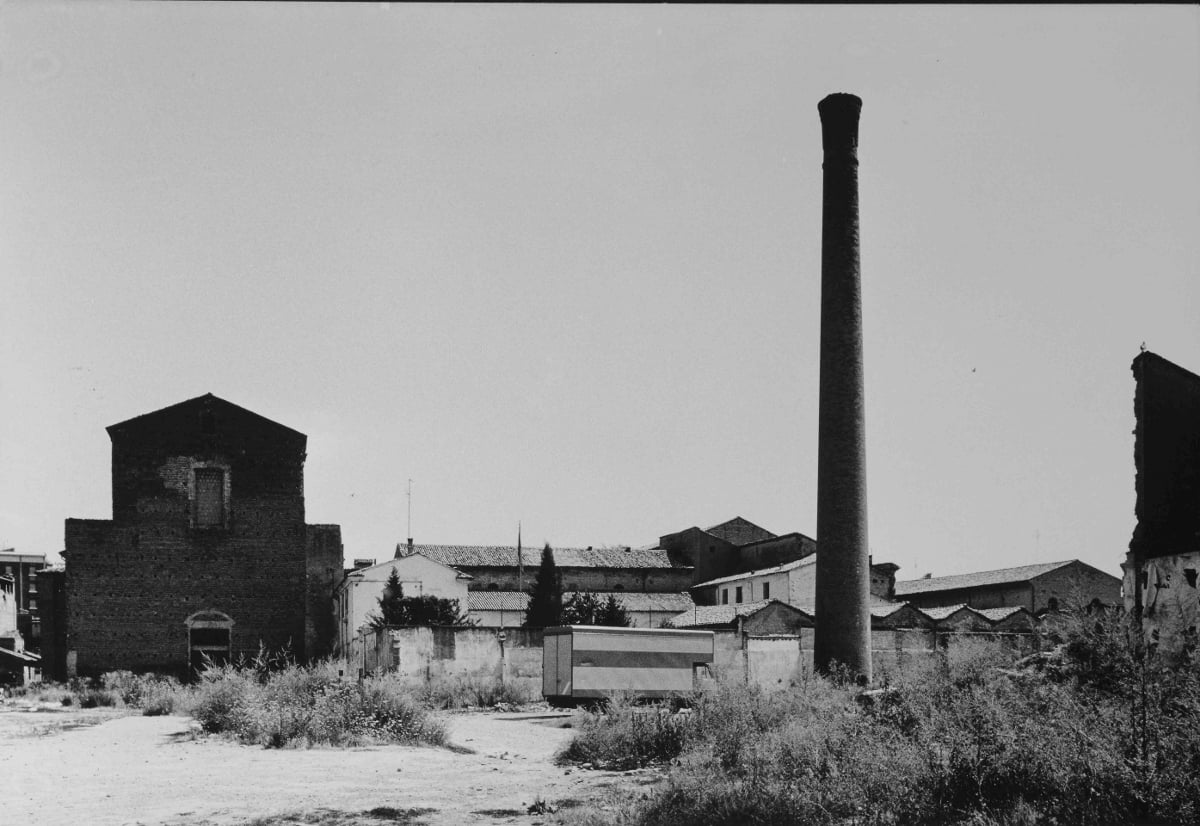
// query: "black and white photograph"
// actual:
[[613, 414]]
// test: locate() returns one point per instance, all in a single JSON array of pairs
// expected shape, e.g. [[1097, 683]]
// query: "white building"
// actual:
[[358, 594], [792, 582]]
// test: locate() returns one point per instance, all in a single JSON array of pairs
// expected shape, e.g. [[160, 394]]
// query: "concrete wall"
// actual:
[[771, 661], [1170, 593]]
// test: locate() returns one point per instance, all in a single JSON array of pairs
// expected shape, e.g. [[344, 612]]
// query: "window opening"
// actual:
[[210, 497]]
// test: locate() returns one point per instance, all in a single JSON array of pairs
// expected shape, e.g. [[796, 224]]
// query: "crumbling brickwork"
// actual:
[[208, 522]]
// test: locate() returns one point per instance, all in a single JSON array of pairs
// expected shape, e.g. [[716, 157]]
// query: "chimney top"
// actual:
[[839, 121]]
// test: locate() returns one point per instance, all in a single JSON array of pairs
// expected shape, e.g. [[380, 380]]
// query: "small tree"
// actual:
[[397, 610], [546, 598], [586, 608], [582, 608], [613, 613]]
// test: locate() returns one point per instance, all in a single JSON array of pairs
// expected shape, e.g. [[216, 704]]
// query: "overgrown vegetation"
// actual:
[[1100, 730], [309, 705], [476, 691]]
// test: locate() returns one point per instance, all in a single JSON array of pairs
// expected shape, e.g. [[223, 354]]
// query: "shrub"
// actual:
[[1105, 734], [478, 691], [309, 705]]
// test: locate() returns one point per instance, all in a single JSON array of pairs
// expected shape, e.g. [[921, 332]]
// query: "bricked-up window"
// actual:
[[210, 497]]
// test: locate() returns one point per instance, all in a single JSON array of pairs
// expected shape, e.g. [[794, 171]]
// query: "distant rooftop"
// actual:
[[1002, 576], [505, 556]]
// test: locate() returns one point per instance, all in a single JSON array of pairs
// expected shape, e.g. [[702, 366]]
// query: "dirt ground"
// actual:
[[101, 768]]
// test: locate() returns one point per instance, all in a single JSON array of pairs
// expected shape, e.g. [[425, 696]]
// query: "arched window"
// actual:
[[209, 635]]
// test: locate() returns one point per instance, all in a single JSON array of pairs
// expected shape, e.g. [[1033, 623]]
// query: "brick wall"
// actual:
[[132, 583]]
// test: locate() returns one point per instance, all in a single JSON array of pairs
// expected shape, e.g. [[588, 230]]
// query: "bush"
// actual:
[[1105, 734], [478, 691], [309, 705]]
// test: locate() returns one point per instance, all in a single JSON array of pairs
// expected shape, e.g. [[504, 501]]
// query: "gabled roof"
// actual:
[[207, 400], [505, 556], [631, 600], [939, 614], [734, 527], [1003, 576], [775, 569], [359, 573]]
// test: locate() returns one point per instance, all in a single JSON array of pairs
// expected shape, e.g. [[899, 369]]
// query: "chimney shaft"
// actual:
[[843, 627]]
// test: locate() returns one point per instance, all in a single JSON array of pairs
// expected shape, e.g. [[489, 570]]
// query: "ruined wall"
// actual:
[[1170, 599], [1166, 459]]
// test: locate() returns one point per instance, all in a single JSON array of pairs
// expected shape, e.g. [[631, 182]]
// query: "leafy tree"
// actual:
[[614, 614], [397, 610], [546, 599], [586, 608]]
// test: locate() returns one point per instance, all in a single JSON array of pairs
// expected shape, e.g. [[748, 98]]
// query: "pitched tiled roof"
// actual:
[[716, 614], [734, 529], [505, 556], [777, 569], [631, 600], [939, 614], [1023, 573], [998, 614]]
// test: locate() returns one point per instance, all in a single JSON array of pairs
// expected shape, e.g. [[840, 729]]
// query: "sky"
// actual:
[[560, 265]]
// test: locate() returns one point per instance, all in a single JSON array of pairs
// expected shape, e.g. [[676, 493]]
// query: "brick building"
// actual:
[[735, 546], [207, 552], [1048, 586]]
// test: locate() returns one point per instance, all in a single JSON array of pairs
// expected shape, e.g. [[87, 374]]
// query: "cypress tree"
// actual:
[[546, 598]]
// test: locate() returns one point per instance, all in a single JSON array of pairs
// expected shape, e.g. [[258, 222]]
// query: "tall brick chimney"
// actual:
[[843, 632]]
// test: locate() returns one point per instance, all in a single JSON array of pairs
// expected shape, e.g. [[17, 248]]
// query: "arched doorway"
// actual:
[[209, 635]]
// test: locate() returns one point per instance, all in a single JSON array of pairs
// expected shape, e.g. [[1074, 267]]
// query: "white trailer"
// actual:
[[585, 662]]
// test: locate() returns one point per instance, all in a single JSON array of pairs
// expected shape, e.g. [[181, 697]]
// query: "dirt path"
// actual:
[[150, 770]]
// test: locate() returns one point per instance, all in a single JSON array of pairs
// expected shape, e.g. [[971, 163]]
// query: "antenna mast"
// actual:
[[410, 537]]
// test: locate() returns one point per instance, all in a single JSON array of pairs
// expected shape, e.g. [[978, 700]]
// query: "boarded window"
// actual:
[[210, 497], [208, 645]]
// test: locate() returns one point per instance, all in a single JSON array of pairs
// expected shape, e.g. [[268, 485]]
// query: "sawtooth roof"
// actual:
[[505, 556], [1003, 576]]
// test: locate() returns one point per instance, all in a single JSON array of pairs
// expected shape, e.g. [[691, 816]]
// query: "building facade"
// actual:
[[1049, 586], [794, 583], [207, 554], [23, 569], [357, 596]]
